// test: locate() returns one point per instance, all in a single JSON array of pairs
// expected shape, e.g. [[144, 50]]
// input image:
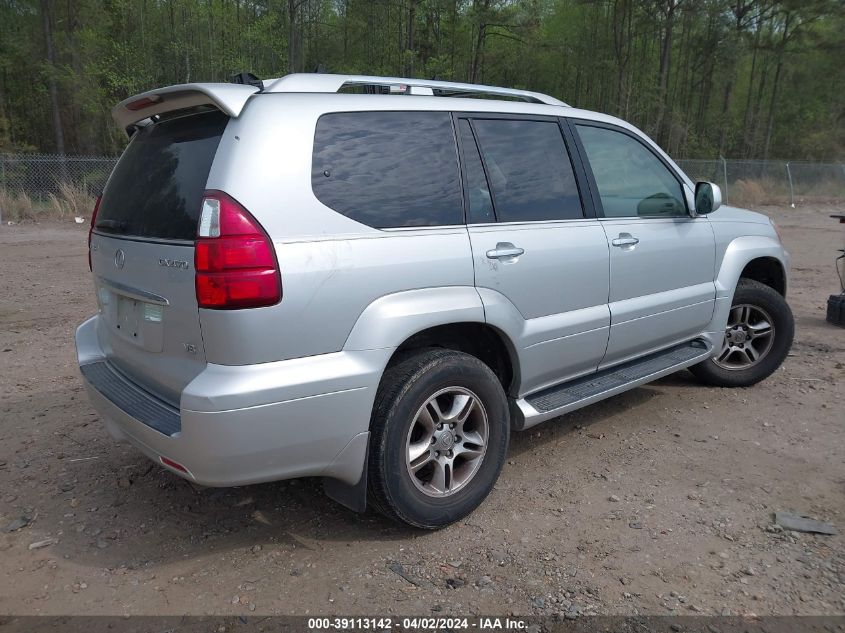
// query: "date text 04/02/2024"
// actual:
[[416, 624]]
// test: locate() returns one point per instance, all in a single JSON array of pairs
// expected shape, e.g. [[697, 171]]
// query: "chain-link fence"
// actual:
[[753, 182], [39, 175], [66, 183], [34, 186]]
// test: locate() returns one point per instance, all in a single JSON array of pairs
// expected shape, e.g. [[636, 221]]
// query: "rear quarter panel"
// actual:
[[332, 267]]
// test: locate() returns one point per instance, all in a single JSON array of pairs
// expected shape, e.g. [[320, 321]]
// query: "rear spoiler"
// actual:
[[228, 98]]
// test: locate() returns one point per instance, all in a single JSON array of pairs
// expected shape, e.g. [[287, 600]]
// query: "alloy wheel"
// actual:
[[748, 338], [447, 441]]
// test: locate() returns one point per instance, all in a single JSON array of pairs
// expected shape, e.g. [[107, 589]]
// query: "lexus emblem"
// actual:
[[119, 258]]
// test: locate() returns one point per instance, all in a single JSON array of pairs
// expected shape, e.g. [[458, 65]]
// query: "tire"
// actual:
[[404, 424], [764, 305], [836, 310]]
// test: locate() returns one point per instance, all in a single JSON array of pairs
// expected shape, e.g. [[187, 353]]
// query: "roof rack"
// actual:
[[320, 82]]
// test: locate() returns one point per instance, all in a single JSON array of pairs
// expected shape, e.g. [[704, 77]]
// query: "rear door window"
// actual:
[[388, 169], [156, 189], [528, 169]]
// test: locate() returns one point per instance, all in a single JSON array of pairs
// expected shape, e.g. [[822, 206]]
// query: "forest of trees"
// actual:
[[738, 78]]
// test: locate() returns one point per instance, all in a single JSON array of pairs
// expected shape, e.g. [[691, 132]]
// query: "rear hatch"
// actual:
[[142, 252]]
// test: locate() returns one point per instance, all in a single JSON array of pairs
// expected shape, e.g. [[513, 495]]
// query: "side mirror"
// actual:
[[708, 198]]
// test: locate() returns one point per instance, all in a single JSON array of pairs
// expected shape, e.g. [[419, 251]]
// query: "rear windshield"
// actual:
[[156, 188]]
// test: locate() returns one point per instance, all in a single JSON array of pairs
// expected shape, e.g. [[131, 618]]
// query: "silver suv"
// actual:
[[374, 280]]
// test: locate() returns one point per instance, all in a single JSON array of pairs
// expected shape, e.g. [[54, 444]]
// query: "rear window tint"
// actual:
[[388, 169], [529, 170], [157, 186]]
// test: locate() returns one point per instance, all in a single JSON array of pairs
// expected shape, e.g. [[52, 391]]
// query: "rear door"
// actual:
[[662, 259], [142, 252], [541, 260]]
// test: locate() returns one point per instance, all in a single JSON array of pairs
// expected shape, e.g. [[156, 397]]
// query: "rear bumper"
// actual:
[[247, 424]]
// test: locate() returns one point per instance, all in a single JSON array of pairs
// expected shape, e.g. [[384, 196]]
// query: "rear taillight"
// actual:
[[234, 259], [91, 229]]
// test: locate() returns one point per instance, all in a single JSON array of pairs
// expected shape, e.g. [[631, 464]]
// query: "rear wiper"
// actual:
[[118, 226]]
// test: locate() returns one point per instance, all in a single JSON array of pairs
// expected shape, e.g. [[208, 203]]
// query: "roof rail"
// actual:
[[320, 82]]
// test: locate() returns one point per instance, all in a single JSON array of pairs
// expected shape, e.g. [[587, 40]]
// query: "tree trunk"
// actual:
[[758, 107], [52, 87], [293, 37], [746, 119], [665, 61], [478, 50], [409, 43], [772, 105], [776, 83], [345, 29], [620, 19], [454, 28]]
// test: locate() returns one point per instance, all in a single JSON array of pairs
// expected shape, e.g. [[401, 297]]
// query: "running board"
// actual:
[[559, 399]]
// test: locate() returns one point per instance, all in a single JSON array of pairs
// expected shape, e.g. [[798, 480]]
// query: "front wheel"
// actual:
[[757, 339], [438, 439]]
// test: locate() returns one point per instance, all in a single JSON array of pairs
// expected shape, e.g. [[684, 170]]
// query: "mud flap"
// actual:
[[352, 496]]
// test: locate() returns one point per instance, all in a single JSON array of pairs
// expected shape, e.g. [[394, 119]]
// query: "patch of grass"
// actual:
[[68, 202], [75, 200], [16, 207], [747, 192], [768, 191]]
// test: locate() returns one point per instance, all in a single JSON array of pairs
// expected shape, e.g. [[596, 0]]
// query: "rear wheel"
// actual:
[[757, 338], [439, 437]]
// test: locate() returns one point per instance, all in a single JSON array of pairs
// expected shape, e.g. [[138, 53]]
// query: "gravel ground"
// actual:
[[659, 501]]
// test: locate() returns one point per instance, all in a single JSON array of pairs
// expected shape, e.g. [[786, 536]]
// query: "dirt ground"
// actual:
[[658, 501]]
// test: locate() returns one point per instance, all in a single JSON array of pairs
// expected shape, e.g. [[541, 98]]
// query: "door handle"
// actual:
[[504, 250], [625, 239]]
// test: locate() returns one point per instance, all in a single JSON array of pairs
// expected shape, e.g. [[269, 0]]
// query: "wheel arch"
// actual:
[[481, 340], [757, 257], [768, 271], [449, 317]]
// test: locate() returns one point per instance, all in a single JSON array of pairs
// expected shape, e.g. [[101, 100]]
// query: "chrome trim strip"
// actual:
[[141, 238], [134, 293]]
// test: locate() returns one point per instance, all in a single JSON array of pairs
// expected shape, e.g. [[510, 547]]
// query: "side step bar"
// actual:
[[559, 399]]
